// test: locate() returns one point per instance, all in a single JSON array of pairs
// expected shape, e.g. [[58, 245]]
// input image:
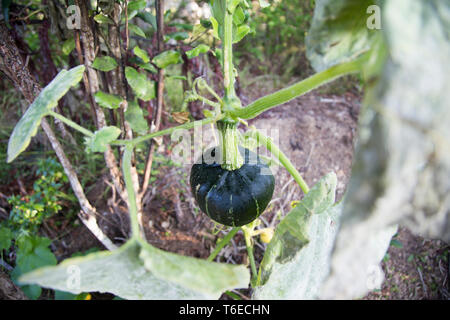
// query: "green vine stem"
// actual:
[[231, 158], [227, 40], [70, 123], [275, 99], [132, 205], [186, 126], [267, 142], [222, 243]]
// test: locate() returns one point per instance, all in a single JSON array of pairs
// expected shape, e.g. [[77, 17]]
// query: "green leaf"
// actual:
[[167, 58], [202, 48], [148, 17], [142, 87], [147, 66], [338, 32], [107, 100], [135, 117], [6, 237], [240, 33], [238, 16], [105, 63], [101, 139], [137, 5], [102, 19], [136, 30], [215, 26], [68, 46], [139, 271], [141, 54], [28, 125], [32, 253], [178, 36], [296, 260]]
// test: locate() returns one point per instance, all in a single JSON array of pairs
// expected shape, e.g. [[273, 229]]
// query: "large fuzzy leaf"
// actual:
[[140, 271], [338, 32], [167, 58], [28, 125], [402, 160], [297, 258]]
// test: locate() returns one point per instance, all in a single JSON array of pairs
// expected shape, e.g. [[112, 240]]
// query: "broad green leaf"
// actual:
[[148, 17], [199, 275], [141, 54], [32, 253], [402, 161], [339, 32], [137, 5], [142, 87], [291, 233], [139, 271], [135, 117], [167, 58], [178, 36], [101, 139], [68, 46], [296, 260], [6, 237], [302, 275], [28, 125], [202, 48], [135, 29], [240, 33], [105, 63], [107, 100], [238, 16], [232, 4], [147, 66], [102, 19]]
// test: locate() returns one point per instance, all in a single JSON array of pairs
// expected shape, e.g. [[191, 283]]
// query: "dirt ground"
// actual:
[[317, 132]]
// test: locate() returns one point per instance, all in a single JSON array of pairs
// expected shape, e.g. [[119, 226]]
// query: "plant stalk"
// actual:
[[248, 229], [70, 123], [222, 244], [282, 96], [267, 142], [231, 158], [228, 69], [129, 185]]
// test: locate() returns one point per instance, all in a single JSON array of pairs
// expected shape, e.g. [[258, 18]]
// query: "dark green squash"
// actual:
[[232, 197]]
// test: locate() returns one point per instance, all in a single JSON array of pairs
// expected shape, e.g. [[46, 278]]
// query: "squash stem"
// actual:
[[231, 158], [228, 69]]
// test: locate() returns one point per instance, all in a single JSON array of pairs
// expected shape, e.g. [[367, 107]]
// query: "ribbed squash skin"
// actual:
[[233, 198]]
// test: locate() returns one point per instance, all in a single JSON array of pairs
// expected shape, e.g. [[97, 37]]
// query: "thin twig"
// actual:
[[156, 118]]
